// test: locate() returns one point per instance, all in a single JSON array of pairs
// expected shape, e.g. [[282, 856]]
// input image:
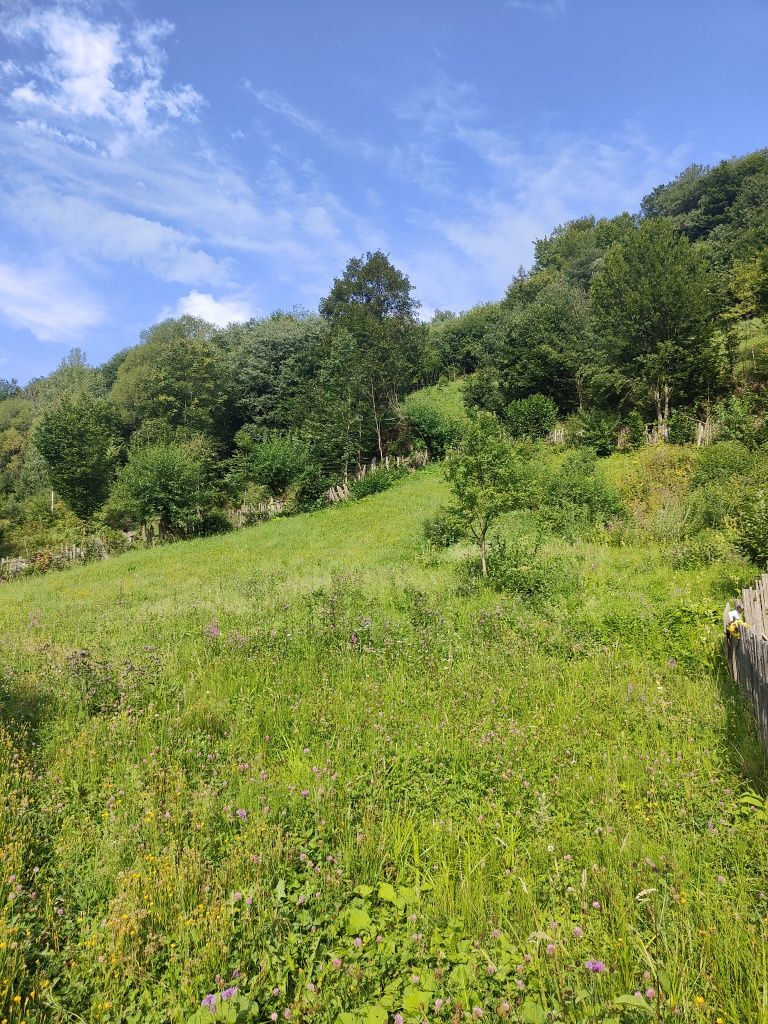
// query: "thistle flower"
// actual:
[[596, 966]]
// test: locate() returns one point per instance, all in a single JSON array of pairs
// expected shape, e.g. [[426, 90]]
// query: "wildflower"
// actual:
[[699, 1000], [650, 993], [229, 992], [287, 1013], [212, 629], [477, 1012], [596, 966], [491, 969], [398, 1018], [237, 896], [551, 948], [439, 1005], [311, 987], [210, 1002], [358, 942], [503, 1010], [646, 975], [596, 904], [415, 979], [577, 932], [495, 934], [336, 962], [273, 1016], [242, 814]]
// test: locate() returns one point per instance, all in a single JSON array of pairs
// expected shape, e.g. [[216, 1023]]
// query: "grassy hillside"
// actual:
[[306, 761]]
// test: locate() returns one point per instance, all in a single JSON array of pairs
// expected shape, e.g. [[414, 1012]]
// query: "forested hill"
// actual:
[[646, 316]]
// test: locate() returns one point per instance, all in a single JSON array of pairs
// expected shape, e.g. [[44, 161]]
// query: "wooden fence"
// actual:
[[746, 645], [416, 460]]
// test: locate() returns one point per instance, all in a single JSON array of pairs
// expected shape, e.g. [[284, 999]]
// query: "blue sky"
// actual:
[[227, 158]]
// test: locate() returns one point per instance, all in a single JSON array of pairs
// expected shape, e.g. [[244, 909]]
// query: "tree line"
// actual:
[[648, 317]]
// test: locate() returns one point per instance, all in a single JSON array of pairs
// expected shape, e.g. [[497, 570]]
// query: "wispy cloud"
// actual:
[[545, 7], [46, 302]]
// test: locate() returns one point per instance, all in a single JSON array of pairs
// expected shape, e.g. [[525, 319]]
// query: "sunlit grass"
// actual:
[[239, 756]]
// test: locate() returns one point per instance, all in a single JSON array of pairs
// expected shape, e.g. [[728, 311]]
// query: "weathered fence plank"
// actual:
[[746, 648]]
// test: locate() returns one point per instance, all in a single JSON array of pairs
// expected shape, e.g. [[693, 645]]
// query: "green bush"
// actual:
[[532, 417], [682, 427], [437, 417], [443, 529], [519, 567], [752, 526], [595, 429], [721, 461], [377, 481], [635, 429], [578, 497]]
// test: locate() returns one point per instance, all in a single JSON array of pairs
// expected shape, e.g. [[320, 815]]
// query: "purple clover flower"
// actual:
[[210, 1002], [242, 814], [596, 966]]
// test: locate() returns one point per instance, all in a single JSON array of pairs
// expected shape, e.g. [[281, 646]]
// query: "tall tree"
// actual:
[[654, 309], [372, 301], [179, 374], [76, 439]]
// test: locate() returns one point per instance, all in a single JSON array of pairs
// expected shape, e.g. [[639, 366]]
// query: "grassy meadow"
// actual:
[[308, 772]]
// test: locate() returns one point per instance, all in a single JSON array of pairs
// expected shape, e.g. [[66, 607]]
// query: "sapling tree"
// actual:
[[489, 476]]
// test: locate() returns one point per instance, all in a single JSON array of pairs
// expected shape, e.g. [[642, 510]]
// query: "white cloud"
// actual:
[[216, 311], [97, 72], [90, 229], [47, 303]]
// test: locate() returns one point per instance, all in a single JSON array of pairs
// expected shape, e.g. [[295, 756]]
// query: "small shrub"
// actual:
[[704, 548], [721, 461], [532, 417], [519, 567], [578, 497], [595, 429], [437, 417], [752, 526], [443, 529], [682, 427], [378, 480], [634, 426]]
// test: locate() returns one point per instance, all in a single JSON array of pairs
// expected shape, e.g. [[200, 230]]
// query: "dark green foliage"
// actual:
[[533, 417], [681, 427], [577, 496], [179, 375], [597, 429], [654, 309], [163, 483], [272, 459], [370, 283], [519, 567], [77, 440], [576, 249], [456, 342], [536, 344], [377, 481]]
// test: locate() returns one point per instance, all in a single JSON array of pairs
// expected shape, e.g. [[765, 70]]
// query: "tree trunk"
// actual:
[[483, 554]]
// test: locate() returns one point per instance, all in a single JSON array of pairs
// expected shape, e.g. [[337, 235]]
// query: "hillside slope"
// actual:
[[301, 761]]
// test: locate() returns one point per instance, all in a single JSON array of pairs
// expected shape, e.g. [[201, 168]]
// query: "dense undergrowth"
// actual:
[[310, 772]]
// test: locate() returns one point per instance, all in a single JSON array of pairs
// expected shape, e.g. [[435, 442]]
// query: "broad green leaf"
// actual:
[[376, 1015], [415, 999], [364, 891], [637, 1001], [533, 1013], [358, 921], [387, 893]]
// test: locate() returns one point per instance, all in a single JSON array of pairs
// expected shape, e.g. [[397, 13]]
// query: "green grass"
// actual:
[[485, 793]]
